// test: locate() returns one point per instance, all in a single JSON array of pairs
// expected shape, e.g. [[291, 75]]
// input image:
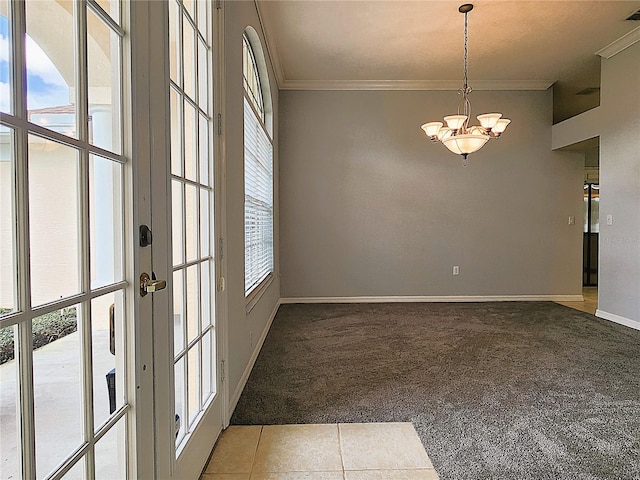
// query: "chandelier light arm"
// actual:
[[466, 108]]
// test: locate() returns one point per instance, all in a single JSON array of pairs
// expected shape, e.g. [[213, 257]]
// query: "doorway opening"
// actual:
[[591, 213], [591, 230]]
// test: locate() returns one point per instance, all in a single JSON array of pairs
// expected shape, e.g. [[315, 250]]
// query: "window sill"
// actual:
[[255, 294]]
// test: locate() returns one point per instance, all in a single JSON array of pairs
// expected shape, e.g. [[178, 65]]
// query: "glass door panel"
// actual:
[[103, 77], [111, 454], [9, 441], [179, 379], [54, 220], [51, 61], [107, 330], [57, 384], [106, 210], [6, 90], [8, 222]]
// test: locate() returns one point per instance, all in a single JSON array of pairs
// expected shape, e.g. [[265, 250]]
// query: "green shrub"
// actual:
[[45, 329]]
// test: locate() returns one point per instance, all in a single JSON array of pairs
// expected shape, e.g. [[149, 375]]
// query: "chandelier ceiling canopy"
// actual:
[[457, 135]]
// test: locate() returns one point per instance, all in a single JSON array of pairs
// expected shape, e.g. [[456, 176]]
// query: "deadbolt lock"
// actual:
[[149, 285], [146, 238]]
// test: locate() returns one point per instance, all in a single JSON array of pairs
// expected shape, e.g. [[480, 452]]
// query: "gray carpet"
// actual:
[[530, 390]]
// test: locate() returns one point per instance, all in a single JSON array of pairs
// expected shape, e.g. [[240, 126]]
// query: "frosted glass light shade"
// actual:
[[431, 129], [454, 122], [501, 125], [465, 143], [443, 133], [489, 120]]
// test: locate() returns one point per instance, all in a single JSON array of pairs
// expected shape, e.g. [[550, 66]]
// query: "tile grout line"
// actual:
[[255, 453], [344, 475]]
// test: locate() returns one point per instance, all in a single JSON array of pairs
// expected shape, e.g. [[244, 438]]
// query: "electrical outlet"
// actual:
[[572, 220], [456, 270], [609, 219]]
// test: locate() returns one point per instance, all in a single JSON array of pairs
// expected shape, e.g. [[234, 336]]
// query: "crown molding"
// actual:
[[270, 45], [444, 85], [428, 85], [620, 44]]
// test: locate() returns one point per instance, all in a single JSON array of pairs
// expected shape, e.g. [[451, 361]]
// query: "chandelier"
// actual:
[[458, 136]]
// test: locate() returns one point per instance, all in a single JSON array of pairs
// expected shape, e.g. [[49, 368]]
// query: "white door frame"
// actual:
[[141, 449], [220, 152]]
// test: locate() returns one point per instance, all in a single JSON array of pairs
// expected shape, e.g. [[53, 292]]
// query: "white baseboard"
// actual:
[[427, 299], [627, 322], [233, 401]]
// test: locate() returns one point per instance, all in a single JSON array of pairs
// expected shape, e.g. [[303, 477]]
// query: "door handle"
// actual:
[[147, 285]]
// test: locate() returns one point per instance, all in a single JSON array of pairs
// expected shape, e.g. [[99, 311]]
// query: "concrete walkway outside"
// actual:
[[58, 409]]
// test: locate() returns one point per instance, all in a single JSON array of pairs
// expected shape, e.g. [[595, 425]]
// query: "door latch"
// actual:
[[149, 285]]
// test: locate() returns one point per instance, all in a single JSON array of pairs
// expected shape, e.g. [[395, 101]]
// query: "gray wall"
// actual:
[[619, 270], [242, 324], [368, 207]]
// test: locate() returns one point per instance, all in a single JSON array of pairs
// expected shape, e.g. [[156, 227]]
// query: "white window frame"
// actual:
[[256, 102]]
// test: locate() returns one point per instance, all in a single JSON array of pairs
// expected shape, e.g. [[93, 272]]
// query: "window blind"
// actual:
[[258, 201]]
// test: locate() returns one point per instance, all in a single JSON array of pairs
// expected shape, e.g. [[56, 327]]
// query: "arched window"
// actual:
[[258, 168], [251, 79]]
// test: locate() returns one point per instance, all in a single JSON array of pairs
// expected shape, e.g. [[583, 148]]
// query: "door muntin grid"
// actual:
[[61, 155], [192, 194]]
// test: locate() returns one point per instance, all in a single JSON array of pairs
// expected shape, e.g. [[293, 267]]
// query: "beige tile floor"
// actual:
[[345, 451], [590, 303]]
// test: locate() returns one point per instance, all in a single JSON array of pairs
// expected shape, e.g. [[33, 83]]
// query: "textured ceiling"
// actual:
[[419, 44]]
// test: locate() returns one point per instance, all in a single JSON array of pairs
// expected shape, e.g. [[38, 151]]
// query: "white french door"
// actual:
[[183, 176], [101, 133], [66, 305]]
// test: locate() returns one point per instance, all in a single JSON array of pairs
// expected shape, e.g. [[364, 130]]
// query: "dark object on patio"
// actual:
[[111, 387]]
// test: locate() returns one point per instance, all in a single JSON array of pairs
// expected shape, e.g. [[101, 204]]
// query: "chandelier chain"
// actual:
[[466, 53], [465, 103]]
